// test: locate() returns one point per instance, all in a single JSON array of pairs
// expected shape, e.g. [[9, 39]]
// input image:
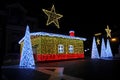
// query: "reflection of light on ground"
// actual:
[[17, 66], [57, 74], [110, 58], [66, 70]]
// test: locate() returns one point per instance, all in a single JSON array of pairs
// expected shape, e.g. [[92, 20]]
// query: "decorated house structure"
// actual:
[[50, 46]]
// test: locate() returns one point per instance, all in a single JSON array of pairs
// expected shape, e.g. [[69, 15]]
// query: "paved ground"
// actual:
[[81, 69]]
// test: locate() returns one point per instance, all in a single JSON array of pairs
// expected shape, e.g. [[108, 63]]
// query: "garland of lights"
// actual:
[[49, 45], [52, 16], [37, 34]]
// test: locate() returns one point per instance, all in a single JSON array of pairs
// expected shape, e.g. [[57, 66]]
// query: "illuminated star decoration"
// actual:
[[98, 41], [52, 16], [108, 31]]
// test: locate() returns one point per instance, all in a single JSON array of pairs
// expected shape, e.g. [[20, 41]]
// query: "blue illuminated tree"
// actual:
[[27, 59], [94, 53], [103, 49], [108, 49]]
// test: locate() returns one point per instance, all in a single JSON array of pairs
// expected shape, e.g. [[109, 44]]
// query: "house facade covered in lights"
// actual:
[[50, 46]]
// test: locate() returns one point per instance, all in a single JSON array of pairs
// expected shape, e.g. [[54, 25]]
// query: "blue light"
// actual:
[[27, 59], [95, 54], [103, 49], [108, 49]]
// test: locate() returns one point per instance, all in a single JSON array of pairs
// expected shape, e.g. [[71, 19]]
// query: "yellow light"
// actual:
[[52, 16], [97, 34], [98, 41], [108, 31], [114, 39]]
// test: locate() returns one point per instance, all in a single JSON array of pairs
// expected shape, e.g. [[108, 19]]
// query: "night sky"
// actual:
[[84, 17]]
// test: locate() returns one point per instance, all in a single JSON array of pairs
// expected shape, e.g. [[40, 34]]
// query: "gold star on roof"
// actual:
[[108, 31], [52, 16]]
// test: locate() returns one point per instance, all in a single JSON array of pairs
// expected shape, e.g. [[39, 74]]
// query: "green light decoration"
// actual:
[[48, 44]]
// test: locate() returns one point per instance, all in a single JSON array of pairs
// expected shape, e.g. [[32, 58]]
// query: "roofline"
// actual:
[[53, 35]]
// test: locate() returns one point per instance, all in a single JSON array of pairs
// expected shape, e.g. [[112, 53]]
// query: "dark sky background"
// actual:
[[84, 17]]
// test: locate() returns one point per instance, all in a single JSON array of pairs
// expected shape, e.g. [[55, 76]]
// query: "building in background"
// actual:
[[13, 20]]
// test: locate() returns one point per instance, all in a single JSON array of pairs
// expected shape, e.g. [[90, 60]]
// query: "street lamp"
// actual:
[[114, 39]]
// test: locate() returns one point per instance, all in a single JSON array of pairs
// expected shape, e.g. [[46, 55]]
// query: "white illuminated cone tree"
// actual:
[[94, 53], [108, 49], [27, 59], [103, 49]]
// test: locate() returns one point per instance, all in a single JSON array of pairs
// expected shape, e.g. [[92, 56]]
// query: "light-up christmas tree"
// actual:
[[27, 59], [94, 53], [108, 49], [103, 49]]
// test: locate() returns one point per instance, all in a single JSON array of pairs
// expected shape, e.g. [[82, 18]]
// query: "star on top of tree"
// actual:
[[108, 31], [52, 16]]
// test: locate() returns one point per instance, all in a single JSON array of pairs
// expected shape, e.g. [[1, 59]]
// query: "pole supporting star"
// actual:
[[52, 16], [108, 31]]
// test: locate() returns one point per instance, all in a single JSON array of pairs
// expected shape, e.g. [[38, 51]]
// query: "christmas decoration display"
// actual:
[[108, 49], [98, 40], [52, 16], [27, 59], [94, 54], [103, 49], [50, 46], [98, 34], [108, 31]]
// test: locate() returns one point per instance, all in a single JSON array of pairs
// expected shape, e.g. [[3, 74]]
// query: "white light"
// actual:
[[94, 53], [27, 59], [88, 49], [85, 50], [53, 35]]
